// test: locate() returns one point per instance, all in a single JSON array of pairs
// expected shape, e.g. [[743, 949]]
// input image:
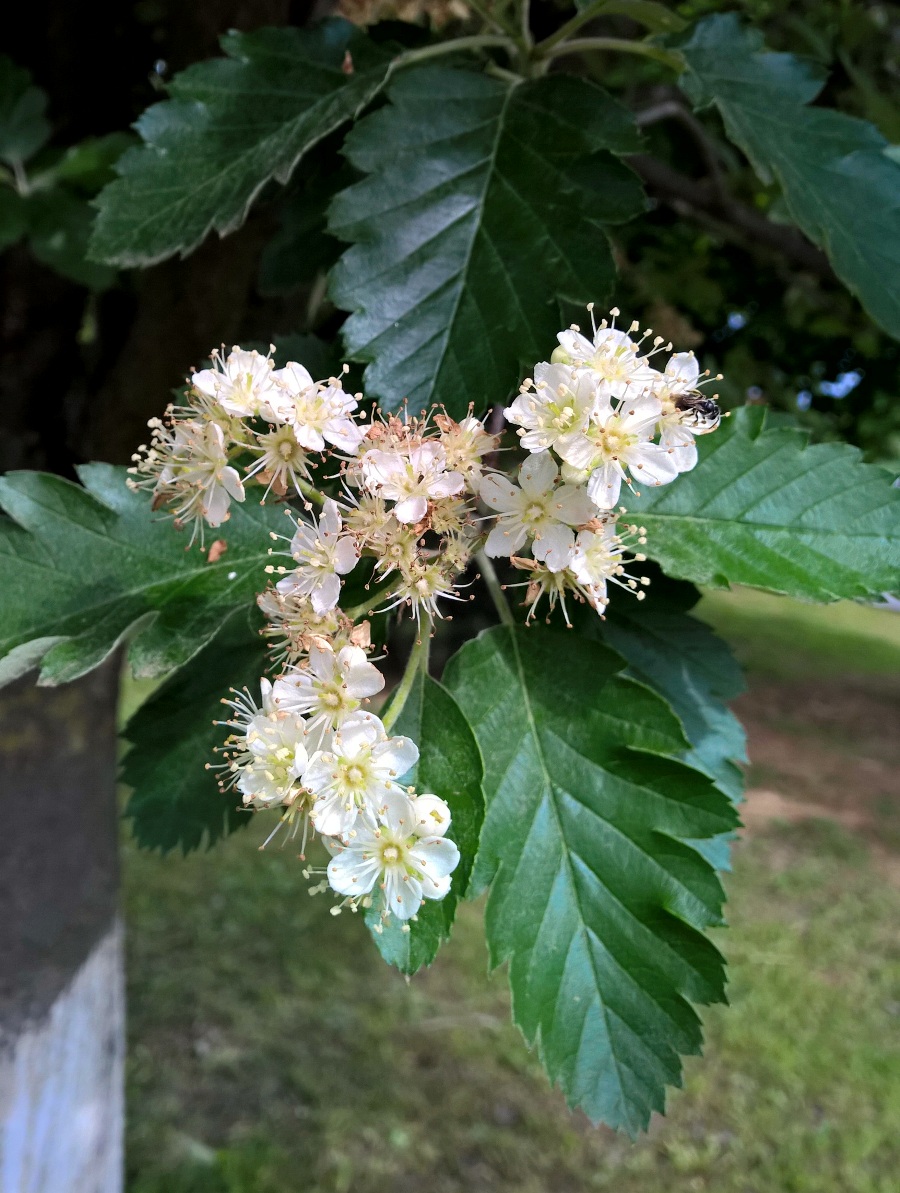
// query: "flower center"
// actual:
[[612, 440]]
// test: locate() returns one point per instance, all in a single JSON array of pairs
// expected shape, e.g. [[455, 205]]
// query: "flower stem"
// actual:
[[476, 42], [417, 661], [489, 575], [311, 493], [566, 30], [586, 45]]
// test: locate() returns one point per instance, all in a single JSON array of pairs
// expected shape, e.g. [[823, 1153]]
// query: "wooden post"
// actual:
[[61, 966]]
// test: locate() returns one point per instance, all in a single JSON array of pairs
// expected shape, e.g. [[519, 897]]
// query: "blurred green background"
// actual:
[[271, 1051]]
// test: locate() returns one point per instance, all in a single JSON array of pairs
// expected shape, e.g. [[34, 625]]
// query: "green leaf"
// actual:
[[23, 126], [485, 203], [597, 901], [764, 507], [59, 225], [13, 217], [175, 801], [694, 670], [89, 164], [302, 248], [840, 186], [449, 766], [232, 125], [81, 570], [649, 13]]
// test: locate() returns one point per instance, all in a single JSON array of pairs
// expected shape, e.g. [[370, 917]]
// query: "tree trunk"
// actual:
[[61, 968]]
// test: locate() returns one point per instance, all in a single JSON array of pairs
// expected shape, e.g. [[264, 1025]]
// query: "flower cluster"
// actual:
[[405, 506], [610, 417]]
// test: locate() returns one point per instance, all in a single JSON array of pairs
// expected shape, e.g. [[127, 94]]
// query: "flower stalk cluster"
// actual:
[[404, 503]]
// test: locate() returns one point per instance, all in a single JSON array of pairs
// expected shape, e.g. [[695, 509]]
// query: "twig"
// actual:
[[700, 200]]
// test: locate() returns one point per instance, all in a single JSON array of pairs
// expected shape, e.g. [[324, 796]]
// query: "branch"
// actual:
[[703, 201]]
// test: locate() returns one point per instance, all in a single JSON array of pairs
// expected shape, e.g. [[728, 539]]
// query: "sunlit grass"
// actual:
[[785, 638]]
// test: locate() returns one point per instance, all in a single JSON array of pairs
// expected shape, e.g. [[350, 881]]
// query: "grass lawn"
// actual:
[[271, 1051]]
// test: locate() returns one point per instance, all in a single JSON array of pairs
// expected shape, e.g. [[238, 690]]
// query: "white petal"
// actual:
[[207, 381], [411, 510], [402, 894], [604, 486], [437, 856], [359, 731], [499, 493], [309, 437], [326, 593], [232, 484], [331, 816], [397, 754], [505, 539], [446, 485], [554, 546], [537, 474], [396, 811], [330, 521], [346, 556], [215, 505], [651, 462], [572, 505], [293, 377], [432, 816], [576, 449], [682, 372], [349, 873]]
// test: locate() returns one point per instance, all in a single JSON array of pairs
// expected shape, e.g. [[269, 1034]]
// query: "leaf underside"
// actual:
[[484, 204], [597, 902], [449, 766], [231, 125], [838, 183], [82, 569], [765, 508]]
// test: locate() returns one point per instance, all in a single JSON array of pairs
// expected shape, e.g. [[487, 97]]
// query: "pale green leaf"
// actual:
[[764, 507], [597, 901], [23, 125], [484, 205]]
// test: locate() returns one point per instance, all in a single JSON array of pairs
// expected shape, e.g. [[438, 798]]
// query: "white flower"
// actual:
[[465, 444], [538, 510], [322, 555], [268, 750], [351, 780], [282, 459], [241, 383], [407, 866], [597, 558], [330, 687], [619, 437], [192, 473], [612, 357], [318, 412], [560, 404], [432, 816], [410, 476], [684, 412]]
